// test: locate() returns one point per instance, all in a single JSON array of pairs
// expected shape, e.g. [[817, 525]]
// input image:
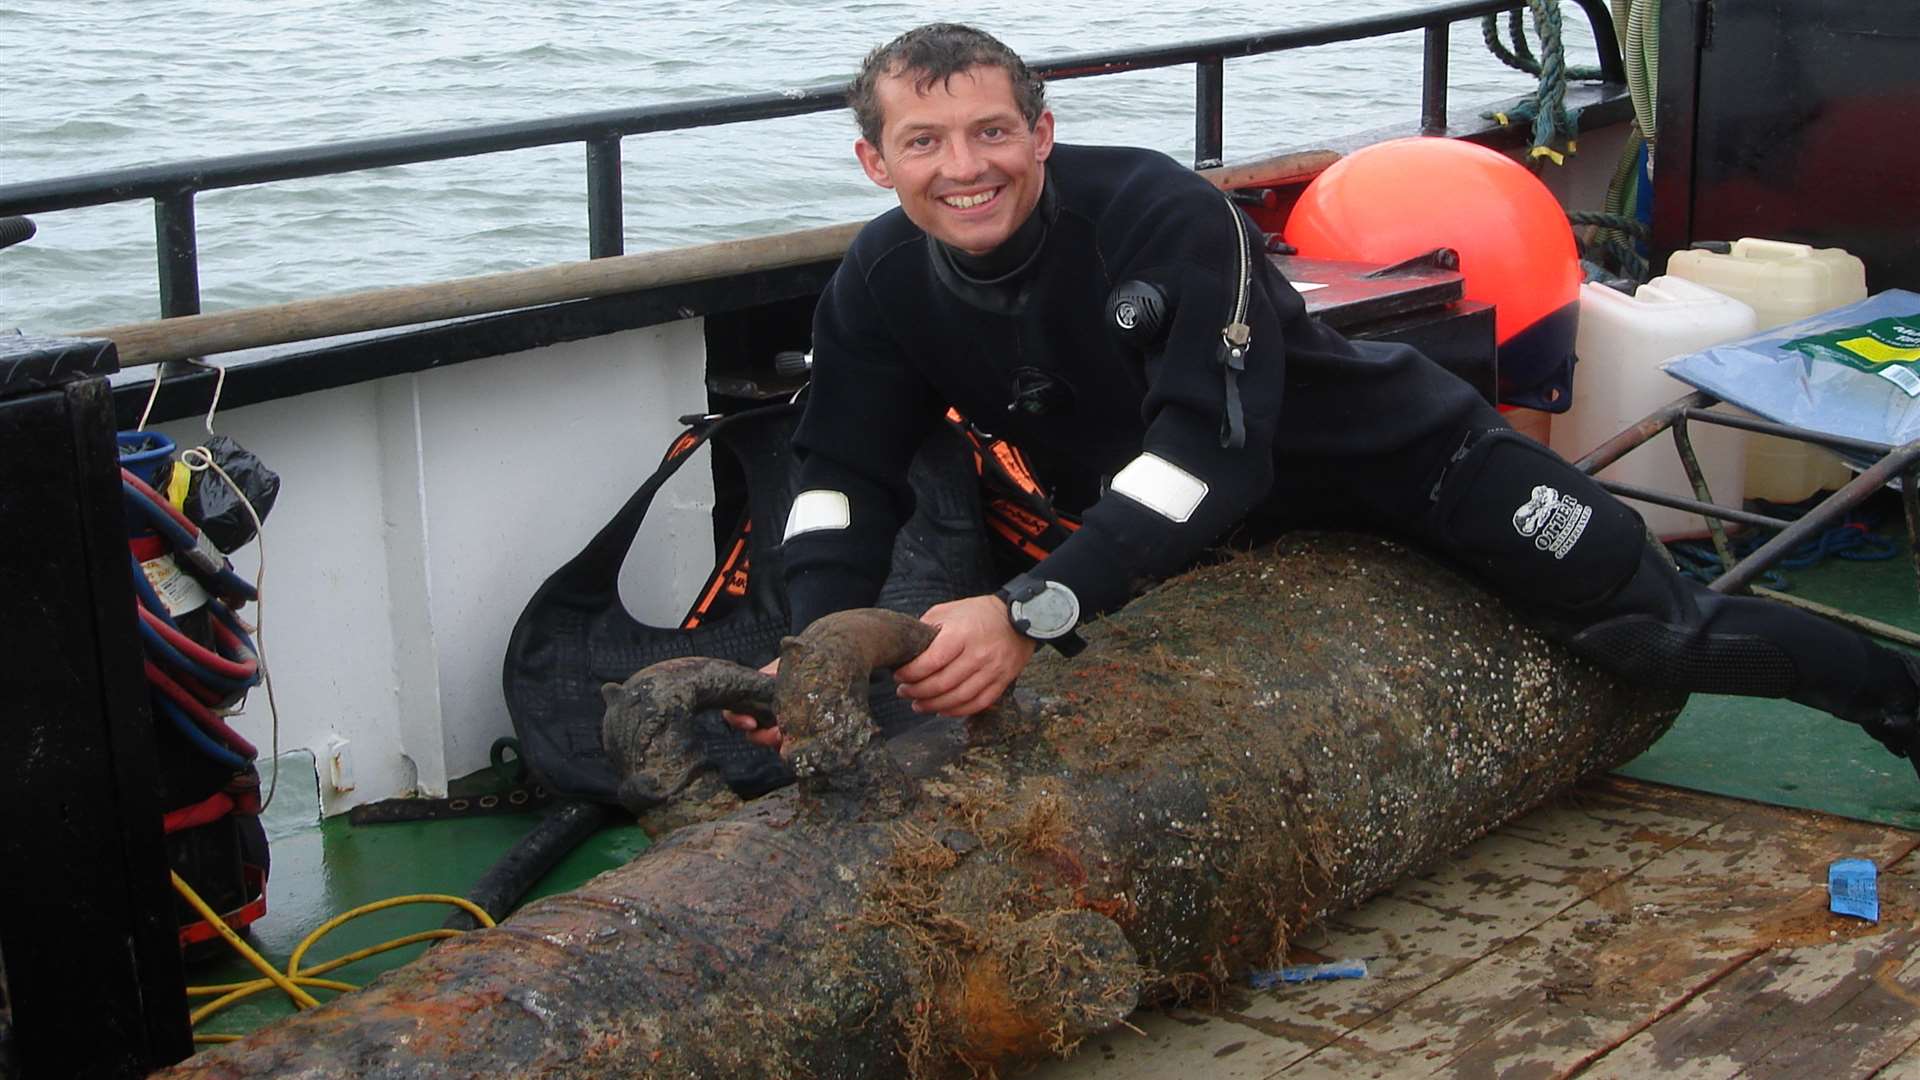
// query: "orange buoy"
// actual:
[[1400, 199]]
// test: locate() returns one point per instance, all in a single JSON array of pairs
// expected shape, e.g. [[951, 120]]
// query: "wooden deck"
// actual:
[[1636, 930]]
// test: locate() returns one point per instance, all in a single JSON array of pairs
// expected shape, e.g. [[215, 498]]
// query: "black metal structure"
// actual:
[[1792, 121], [172, 187], [91, 952]]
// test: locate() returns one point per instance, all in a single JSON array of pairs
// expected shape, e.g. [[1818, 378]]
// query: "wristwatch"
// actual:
[[1045, 611]]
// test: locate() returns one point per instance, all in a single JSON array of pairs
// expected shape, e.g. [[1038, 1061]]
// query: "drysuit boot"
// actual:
[[1898, 727], [1663, 629]]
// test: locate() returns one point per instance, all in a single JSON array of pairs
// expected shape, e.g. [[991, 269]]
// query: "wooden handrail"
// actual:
[[147, 343]]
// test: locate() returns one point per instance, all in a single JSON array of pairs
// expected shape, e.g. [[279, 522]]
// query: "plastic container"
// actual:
[[1781, 282], [1621, 343]]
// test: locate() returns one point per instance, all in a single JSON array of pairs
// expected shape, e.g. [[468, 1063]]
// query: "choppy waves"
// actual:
[[114, 83]]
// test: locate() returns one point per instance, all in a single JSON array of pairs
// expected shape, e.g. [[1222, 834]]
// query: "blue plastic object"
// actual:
[[1299, 973], [1853, 888]]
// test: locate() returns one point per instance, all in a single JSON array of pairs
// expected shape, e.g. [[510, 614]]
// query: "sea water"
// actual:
[[101, 84]]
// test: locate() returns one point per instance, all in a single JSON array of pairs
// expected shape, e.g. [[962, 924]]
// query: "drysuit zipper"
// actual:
[[1235, 338]]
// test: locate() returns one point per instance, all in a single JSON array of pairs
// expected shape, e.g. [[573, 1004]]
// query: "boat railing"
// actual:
[[173, 187]]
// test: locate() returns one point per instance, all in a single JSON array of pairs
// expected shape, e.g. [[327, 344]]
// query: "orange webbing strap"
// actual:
[[1015, 506], [729, 577], [728, 582]]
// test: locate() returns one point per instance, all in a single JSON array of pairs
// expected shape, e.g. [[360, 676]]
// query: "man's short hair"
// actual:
[[934, 53]]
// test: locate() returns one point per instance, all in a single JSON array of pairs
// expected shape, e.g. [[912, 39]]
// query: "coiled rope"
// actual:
[[1613, 239], [1545, 109], [1615, 234], [1854, 539]]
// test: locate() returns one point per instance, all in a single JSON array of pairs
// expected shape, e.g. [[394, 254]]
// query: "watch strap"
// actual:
[[1025, 587]]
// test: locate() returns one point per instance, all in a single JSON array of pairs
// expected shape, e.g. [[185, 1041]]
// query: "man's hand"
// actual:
[[972, 660], [768, 737]]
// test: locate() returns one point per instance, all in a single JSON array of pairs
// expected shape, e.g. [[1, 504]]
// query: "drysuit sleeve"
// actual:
[[868, 409], [1188, 486]]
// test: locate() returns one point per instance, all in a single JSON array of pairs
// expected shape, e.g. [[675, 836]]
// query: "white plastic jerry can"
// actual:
[[1781, 282], [1617, 382]]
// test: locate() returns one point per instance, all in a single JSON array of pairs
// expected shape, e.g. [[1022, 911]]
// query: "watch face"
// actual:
[[1050, 614]]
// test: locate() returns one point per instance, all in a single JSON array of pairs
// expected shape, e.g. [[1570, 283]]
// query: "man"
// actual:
[[1111, 313]]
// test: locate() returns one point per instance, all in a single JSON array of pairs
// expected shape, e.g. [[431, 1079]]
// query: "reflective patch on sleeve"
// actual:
[[818, 509], [1160, 486]]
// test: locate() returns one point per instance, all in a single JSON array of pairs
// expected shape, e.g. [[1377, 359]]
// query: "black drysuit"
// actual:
[[1165, 442]]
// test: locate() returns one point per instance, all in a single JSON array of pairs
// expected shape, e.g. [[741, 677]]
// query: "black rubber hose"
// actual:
[[13, 230], [522, 867]]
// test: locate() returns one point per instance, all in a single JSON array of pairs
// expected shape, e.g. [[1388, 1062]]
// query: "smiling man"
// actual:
[[968, 163], [1112, 314]]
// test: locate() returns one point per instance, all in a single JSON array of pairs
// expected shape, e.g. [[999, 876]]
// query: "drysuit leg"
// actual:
[[1556, 542]]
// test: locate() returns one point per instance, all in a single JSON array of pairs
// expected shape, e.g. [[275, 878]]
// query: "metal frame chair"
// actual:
[[1891, 462]]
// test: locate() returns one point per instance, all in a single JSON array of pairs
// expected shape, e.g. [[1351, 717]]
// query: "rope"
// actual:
[[1521, 57], [199, 459], [1545, 109], [1853, 540], [1612, 240], [1614, 235], [1490, 33]]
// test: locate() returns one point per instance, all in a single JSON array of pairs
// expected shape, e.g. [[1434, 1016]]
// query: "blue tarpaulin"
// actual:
[[1852, 371]]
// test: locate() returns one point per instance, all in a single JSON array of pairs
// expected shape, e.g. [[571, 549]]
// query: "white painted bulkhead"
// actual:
[[416, 517]]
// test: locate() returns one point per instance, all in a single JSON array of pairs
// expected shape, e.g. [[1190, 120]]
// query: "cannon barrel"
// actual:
[[1239, 752]]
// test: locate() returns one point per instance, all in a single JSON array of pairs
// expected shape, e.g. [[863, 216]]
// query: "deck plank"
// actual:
[[1832, 996], [1417, 935], [1904, 1067], [1584, 935], [1707, 922], [1533, 953]]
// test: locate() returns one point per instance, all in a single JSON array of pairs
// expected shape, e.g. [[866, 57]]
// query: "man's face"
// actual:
[[967, 168]]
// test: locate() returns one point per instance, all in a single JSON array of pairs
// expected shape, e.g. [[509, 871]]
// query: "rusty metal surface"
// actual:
[[1237, 754]]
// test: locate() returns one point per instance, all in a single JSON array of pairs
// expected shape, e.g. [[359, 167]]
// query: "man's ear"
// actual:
[[1043, 135], [874, 162]]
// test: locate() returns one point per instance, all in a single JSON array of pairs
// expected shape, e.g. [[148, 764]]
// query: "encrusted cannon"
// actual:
[[1238, 753]]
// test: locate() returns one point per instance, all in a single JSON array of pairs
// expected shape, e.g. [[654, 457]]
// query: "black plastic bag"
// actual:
[[212, 503]]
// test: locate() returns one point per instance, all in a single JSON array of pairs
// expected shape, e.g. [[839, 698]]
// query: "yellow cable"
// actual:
[[293, 980], [375, 950], [479, 914], [228, 988], [301, 997], [247, 990]]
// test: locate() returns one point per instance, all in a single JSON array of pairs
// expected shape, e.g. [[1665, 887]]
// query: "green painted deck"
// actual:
[[1634, 930]]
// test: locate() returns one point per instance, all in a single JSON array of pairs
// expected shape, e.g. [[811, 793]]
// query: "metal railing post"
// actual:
[[1209, 88], [1433, 81], [605, 224], [178, 252]]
